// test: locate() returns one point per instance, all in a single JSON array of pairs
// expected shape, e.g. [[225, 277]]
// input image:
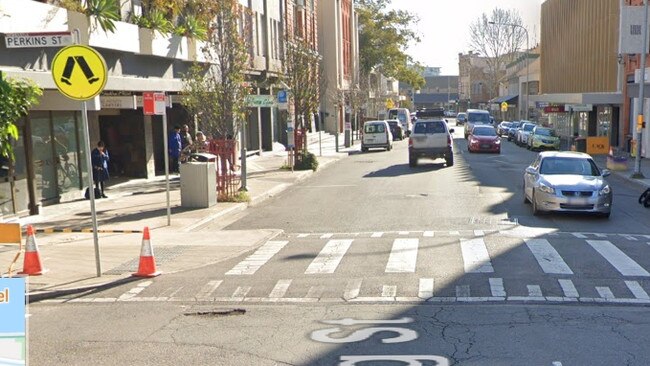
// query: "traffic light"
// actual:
[[640, 124]]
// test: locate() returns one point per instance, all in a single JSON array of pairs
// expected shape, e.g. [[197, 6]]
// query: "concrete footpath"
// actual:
[[69, 258]]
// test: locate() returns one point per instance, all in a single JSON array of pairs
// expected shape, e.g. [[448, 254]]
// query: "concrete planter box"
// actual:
[[196, 50], [163, 44], [31, 16], [124, 39]]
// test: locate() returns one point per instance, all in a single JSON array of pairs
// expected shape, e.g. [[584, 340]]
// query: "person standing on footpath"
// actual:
[[100, 159], [186, 137], [175, 147]]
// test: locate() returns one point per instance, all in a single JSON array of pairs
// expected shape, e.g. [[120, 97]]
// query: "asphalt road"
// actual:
[[380, 262]]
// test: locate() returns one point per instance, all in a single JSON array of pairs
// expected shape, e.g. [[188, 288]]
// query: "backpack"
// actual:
[[98, 194]]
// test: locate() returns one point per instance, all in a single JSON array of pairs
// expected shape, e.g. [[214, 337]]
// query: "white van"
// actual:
[[403, 116], [376, 134]]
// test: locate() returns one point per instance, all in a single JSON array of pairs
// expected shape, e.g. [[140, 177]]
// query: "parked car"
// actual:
[[484, 138], [512, 131], [543, 138], [476, 117], [567, 181], [431, 139], [461, 118], [502, 129], [403, 116], [524, 131], [396, 129], [376, 134]]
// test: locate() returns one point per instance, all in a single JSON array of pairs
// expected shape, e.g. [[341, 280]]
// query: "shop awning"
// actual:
[[510, 99], [580, 98]]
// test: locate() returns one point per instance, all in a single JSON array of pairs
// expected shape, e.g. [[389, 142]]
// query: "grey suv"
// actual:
[[431, 139]]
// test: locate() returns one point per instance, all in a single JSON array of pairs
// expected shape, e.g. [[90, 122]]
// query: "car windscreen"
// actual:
[[393, 124], [374, 128], [573, 166], [481, 131], [478, 118], [506, 124], [528, 127], [545, 132], [392, 114], [461, 116]]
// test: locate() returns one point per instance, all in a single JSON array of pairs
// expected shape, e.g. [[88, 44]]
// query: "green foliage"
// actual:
[[306, 161], [193, 27], [215, 92], [239, 197], [156, 20], [105, 12], [384, 36], [16, 98]]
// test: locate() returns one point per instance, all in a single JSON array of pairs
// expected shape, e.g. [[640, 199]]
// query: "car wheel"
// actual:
[[364, 149], [450, 160], [526, 200], [605, 215], [528, 147], [536, 211], [413, 161]]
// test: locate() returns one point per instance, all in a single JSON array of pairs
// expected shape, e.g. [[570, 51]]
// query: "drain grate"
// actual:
[[163, 255]]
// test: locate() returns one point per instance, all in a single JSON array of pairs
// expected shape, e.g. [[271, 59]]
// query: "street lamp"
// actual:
[[527, 61]]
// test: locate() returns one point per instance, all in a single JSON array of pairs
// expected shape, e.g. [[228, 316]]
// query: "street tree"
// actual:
[[215, 91], [303, 71], [498, 43], [16, 98], [384, 36]]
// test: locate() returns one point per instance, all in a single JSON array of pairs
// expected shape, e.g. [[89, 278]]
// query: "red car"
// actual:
[[484, 138]]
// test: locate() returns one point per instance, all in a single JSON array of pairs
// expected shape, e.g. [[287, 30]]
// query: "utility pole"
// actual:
[[640, 116]]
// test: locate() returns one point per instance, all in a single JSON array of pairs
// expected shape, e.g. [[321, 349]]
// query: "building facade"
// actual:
[[439, 91], [338, 44], [578, 78], [473, 82], [50, 153]]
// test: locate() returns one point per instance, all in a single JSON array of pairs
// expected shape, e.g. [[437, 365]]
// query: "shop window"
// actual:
[[604, 121]]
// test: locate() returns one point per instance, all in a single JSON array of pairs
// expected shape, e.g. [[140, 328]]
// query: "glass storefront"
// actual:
[[14, 194], [604, 121]]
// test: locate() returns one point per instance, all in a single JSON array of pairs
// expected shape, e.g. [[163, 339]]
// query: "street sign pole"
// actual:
[[166, 145], [641, 114], [91, 188]]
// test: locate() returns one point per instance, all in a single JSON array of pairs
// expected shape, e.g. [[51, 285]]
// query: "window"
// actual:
[[374, 128]]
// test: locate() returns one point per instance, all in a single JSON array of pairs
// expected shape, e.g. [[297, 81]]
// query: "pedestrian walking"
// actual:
[[100, 159], [175, 147]]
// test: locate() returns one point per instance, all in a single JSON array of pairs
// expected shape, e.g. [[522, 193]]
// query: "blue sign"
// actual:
[[12, 327], [282, 96]]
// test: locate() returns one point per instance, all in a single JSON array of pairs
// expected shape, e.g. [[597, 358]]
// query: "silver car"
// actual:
[[567, 181]]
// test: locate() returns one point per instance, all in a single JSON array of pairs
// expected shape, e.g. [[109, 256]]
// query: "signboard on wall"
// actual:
[[598, 145], [631, 32], [554, 109]]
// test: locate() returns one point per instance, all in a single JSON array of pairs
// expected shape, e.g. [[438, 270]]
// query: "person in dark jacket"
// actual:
[[100, 161], [175, 146]]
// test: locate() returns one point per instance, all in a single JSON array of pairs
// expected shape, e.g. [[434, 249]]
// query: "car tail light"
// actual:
[[448, 140], [410, 141]]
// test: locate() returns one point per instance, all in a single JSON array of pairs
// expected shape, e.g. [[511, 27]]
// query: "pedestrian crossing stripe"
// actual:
[[518, 232]]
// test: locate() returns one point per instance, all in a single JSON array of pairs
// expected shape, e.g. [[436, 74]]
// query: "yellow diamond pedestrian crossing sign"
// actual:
[[79, 72], [504, 107]]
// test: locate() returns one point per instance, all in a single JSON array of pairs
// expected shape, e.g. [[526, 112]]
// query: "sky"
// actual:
[[444, 26]]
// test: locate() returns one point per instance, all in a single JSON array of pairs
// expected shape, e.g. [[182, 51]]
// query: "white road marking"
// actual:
[[624, 264], [280, 289], [475, 256], [134, 291], [252, 263], [496, 287], [240, 292], [389, 291], [326, 236], [637, 290], [303, 235], [601, 235], [605, 292], [579, 236], [462, 291], [568, 288], [454, 233], [329, 257], [428, 234], [352, 289], [403, 256], [479, 233], [629, 237], [556, 363], [403, 233], [426, 288], [377, 235], [547, 257], [534, 291]]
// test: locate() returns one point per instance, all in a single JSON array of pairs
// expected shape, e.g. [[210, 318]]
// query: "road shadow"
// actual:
[[404, 169]]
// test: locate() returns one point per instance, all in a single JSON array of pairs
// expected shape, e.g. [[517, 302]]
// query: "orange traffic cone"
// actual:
[[147, 266], [32, 265]]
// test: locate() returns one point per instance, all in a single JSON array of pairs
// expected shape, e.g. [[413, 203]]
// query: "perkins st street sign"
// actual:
[[37, 40]]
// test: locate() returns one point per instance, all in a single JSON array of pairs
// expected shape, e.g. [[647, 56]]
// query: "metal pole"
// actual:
[[637, 161], [166, 145], [243, 158], [527, 73], [91, 186]]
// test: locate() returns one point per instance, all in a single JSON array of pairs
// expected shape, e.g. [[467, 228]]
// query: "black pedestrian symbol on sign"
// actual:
[[69, 67]]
